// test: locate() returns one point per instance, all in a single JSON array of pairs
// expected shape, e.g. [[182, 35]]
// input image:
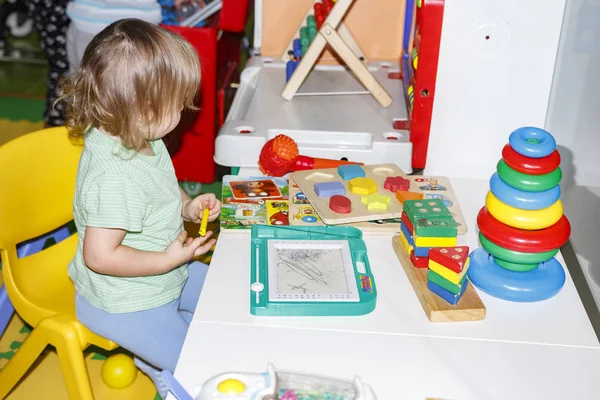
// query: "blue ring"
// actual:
[[520, 198], [545, 147], [539, 284]]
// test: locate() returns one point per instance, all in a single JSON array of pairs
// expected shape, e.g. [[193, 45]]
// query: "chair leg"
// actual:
[[62, 333], [23, 359], [72, 363], [6, 309]]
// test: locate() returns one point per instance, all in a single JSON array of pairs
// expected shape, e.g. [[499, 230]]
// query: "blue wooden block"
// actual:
[[446, 294], [419, 251], [328, 189], [351, 171]]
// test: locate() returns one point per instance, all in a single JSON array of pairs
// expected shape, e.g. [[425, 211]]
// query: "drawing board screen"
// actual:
[[313, 270]]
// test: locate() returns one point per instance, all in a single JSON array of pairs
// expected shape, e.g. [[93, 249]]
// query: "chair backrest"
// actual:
[[37, 183]]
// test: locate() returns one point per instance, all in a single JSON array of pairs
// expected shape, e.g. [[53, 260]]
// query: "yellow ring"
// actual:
[[523, 219]]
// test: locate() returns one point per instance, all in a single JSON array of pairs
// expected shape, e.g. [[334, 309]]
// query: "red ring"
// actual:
[[515, 239], [532, 166]]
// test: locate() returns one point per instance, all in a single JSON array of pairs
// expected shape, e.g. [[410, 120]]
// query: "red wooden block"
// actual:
[[394, 183], [419, 262], [340, 204], [521, 240], [407, 223], [453, 258], [528, 165]]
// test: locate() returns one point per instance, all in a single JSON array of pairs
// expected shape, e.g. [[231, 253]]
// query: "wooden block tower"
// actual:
[[429, 235]]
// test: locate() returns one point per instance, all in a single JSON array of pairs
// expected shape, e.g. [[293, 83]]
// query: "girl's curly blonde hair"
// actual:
[[133, 76]]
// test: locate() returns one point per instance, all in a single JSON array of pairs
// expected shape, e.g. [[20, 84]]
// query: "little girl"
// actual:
[[131, 273]]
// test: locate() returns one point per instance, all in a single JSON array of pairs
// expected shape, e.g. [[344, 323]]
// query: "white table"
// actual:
[[396, 340], [396, 367]]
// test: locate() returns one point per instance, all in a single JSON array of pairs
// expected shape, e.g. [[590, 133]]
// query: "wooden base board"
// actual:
[[469, 308], [298, 210]]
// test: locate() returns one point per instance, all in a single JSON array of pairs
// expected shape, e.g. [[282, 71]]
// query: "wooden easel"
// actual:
[[346, 48]]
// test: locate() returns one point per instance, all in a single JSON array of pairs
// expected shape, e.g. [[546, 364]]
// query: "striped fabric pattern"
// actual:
[[120, 189]]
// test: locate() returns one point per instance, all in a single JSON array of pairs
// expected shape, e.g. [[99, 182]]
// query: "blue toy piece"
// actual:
[[532, 142], [351, 171], [328, 189], [539, 284], [297, 49], [520, 198], [290, 67], [6, 309], [419, 251], [445, 294], [309, 219]]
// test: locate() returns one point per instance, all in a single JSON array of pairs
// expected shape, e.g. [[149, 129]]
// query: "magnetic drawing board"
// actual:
[[319, 270], [311, 271]]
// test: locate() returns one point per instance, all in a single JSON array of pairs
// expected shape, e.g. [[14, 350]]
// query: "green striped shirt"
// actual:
[[120, 189]]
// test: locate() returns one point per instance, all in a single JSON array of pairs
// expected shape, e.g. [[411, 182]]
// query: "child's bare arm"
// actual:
[[103, 253]]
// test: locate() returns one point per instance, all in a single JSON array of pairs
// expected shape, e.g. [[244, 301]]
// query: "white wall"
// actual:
[[574, 111], [486, 88]]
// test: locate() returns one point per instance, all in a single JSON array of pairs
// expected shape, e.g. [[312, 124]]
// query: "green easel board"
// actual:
[[310, 271]]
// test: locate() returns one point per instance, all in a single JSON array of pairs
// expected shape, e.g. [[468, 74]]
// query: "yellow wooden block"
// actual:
[[405, 243], [362, 186], [448, 274], [375, 201], [435, 241]]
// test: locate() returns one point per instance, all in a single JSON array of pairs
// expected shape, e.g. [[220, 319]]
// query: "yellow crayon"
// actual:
[[204, 222]]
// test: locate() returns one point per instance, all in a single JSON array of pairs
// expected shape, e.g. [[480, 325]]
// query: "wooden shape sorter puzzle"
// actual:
[[379, 205], [469, 307]]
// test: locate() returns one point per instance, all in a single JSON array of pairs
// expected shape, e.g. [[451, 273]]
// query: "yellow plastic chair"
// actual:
[[37, 182]]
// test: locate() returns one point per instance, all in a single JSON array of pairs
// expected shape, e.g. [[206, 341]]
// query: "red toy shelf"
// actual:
[[194, 152]]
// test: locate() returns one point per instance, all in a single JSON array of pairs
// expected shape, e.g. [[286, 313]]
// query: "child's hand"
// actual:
[[192, 210], [183, 249]]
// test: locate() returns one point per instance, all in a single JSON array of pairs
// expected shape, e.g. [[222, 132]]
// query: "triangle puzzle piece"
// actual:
[[453, 258]]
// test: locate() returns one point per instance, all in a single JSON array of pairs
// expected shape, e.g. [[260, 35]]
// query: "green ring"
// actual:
[[526, 182], [515, 257], [515, 266]]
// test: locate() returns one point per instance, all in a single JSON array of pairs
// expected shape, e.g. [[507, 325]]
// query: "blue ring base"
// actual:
[[539, 284]]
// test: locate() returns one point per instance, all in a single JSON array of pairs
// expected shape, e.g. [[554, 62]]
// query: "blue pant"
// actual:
[[155, 336]]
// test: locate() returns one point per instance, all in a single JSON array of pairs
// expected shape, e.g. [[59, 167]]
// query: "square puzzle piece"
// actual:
[[351, 171], [435, 227], [328, 189], [395, 183], [426, 208]]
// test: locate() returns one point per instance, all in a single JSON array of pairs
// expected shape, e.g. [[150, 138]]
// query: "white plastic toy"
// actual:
[[279, 385]]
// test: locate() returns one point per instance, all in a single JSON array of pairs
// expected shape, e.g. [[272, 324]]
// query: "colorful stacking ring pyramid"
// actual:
[[522, 225]]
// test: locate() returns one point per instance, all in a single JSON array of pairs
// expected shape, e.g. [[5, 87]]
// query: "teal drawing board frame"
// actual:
[[310, 271]]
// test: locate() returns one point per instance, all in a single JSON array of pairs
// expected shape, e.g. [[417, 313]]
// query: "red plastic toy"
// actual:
[[521, 240], [528, 165], [280, 156]]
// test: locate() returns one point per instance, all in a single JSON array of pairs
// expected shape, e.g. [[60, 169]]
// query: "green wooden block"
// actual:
[[304, 36], [426, 208], [449, 286], [435, 227]]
